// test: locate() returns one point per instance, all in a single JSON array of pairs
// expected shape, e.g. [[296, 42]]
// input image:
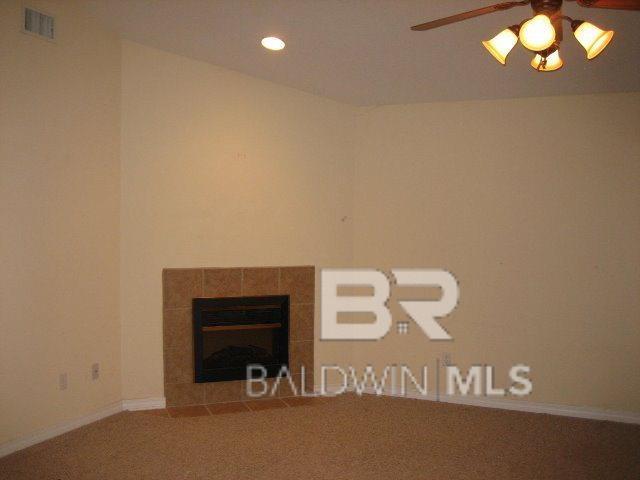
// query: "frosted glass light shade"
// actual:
[[500, 45], [593, 39], [538, 33], [554, 62]]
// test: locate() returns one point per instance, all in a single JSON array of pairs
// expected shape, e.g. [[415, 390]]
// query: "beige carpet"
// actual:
[[346, 438]]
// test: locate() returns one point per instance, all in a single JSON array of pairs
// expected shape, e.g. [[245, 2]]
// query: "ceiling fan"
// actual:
[[543, 32]]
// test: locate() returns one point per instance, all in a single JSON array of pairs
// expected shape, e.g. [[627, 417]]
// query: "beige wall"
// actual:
[[220, 169], [59, 188], [533, 205]]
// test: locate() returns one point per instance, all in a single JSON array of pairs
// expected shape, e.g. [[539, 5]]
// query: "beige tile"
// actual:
[[298, 283], [274, 388], [259, 405], [305, 387], [309, 386], [178, 365], [189, 411], [177, 329], [300, 353], [184, 394], [222, 282], [223, 391], [180, 286], [256, 388], [231, 407], [260, 281], [286, 390], [301, 322]]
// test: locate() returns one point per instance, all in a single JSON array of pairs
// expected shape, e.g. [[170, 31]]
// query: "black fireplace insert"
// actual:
[[231, 333]]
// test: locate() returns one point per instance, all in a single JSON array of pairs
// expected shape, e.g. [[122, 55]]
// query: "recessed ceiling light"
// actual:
[[272, 43]]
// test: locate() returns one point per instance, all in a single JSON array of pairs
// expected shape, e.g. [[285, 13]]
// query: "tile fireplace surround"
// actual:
[[181, 285]]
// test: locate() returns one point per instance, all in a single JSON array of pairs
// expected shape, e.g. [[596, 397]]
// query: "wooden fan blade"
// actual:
[[613, 4], [467, 15]]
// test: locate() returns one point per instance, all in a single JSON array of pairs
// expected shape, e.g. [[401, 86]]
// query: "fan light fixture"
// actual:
[[593, 39], [537, 34], [542, 33], [500, 45], [548, 61]]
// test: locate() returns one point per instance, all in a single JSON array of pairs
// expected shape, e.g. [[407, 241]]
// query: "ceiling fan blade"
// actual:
[[467, 15], [614, 4]]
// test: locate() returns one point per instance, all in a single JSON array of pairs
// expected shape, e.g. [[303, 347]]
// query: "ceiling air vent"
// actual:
[[38, 23]]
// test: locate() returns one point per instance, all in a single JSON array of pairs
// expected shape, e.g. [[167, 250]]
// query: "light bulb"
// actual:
[[554, 62], [593, 39], [500, 45], [537, 34]]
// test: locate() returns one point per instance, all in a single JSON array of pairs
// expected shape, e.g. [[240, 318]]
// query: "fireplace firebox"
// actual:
[[231, 333]]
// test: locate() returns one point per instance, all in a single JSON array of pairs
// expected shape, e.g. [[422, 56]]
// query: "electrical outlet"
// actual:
[[95, 371], [63, 382], [446, 359]]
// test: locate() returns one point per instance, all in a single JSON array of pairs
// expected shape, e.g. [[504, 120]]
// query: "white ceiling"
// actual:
[[362, 51]]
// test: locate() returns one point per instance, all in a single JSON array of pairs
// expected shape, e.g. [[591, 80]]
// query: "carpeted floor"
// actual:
[[345, 438]]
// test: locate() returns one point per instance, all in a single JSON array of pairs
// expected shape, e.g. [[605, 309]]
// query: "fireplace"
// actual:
[[233, 332], [181, 285]]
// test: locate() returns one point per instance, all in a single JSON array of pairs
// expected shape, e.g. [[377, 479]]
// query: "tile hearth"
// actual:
[[237, 407]]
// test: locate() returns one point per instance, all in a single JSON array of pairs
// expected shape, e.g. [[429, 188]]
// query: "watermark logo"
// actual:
[[424, 312], [478, 380], [399, 380]]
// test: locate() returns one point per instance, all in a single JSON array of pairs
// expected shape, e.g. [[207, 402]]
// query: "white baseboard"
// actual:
[[64, 427], [517, 405], [547, 408], [144, 404]]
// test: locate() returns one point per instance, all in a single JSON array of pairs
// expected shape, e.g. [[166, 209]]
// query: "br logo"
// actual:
[[423, 312]]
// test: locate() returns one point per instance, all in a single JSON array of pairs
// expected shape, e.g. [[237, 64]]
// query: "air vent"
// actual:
[[38, 23]]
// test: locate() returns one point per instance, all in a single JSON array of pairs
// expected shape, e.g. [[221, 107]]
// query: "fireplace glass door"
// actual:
[[232, 333]]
